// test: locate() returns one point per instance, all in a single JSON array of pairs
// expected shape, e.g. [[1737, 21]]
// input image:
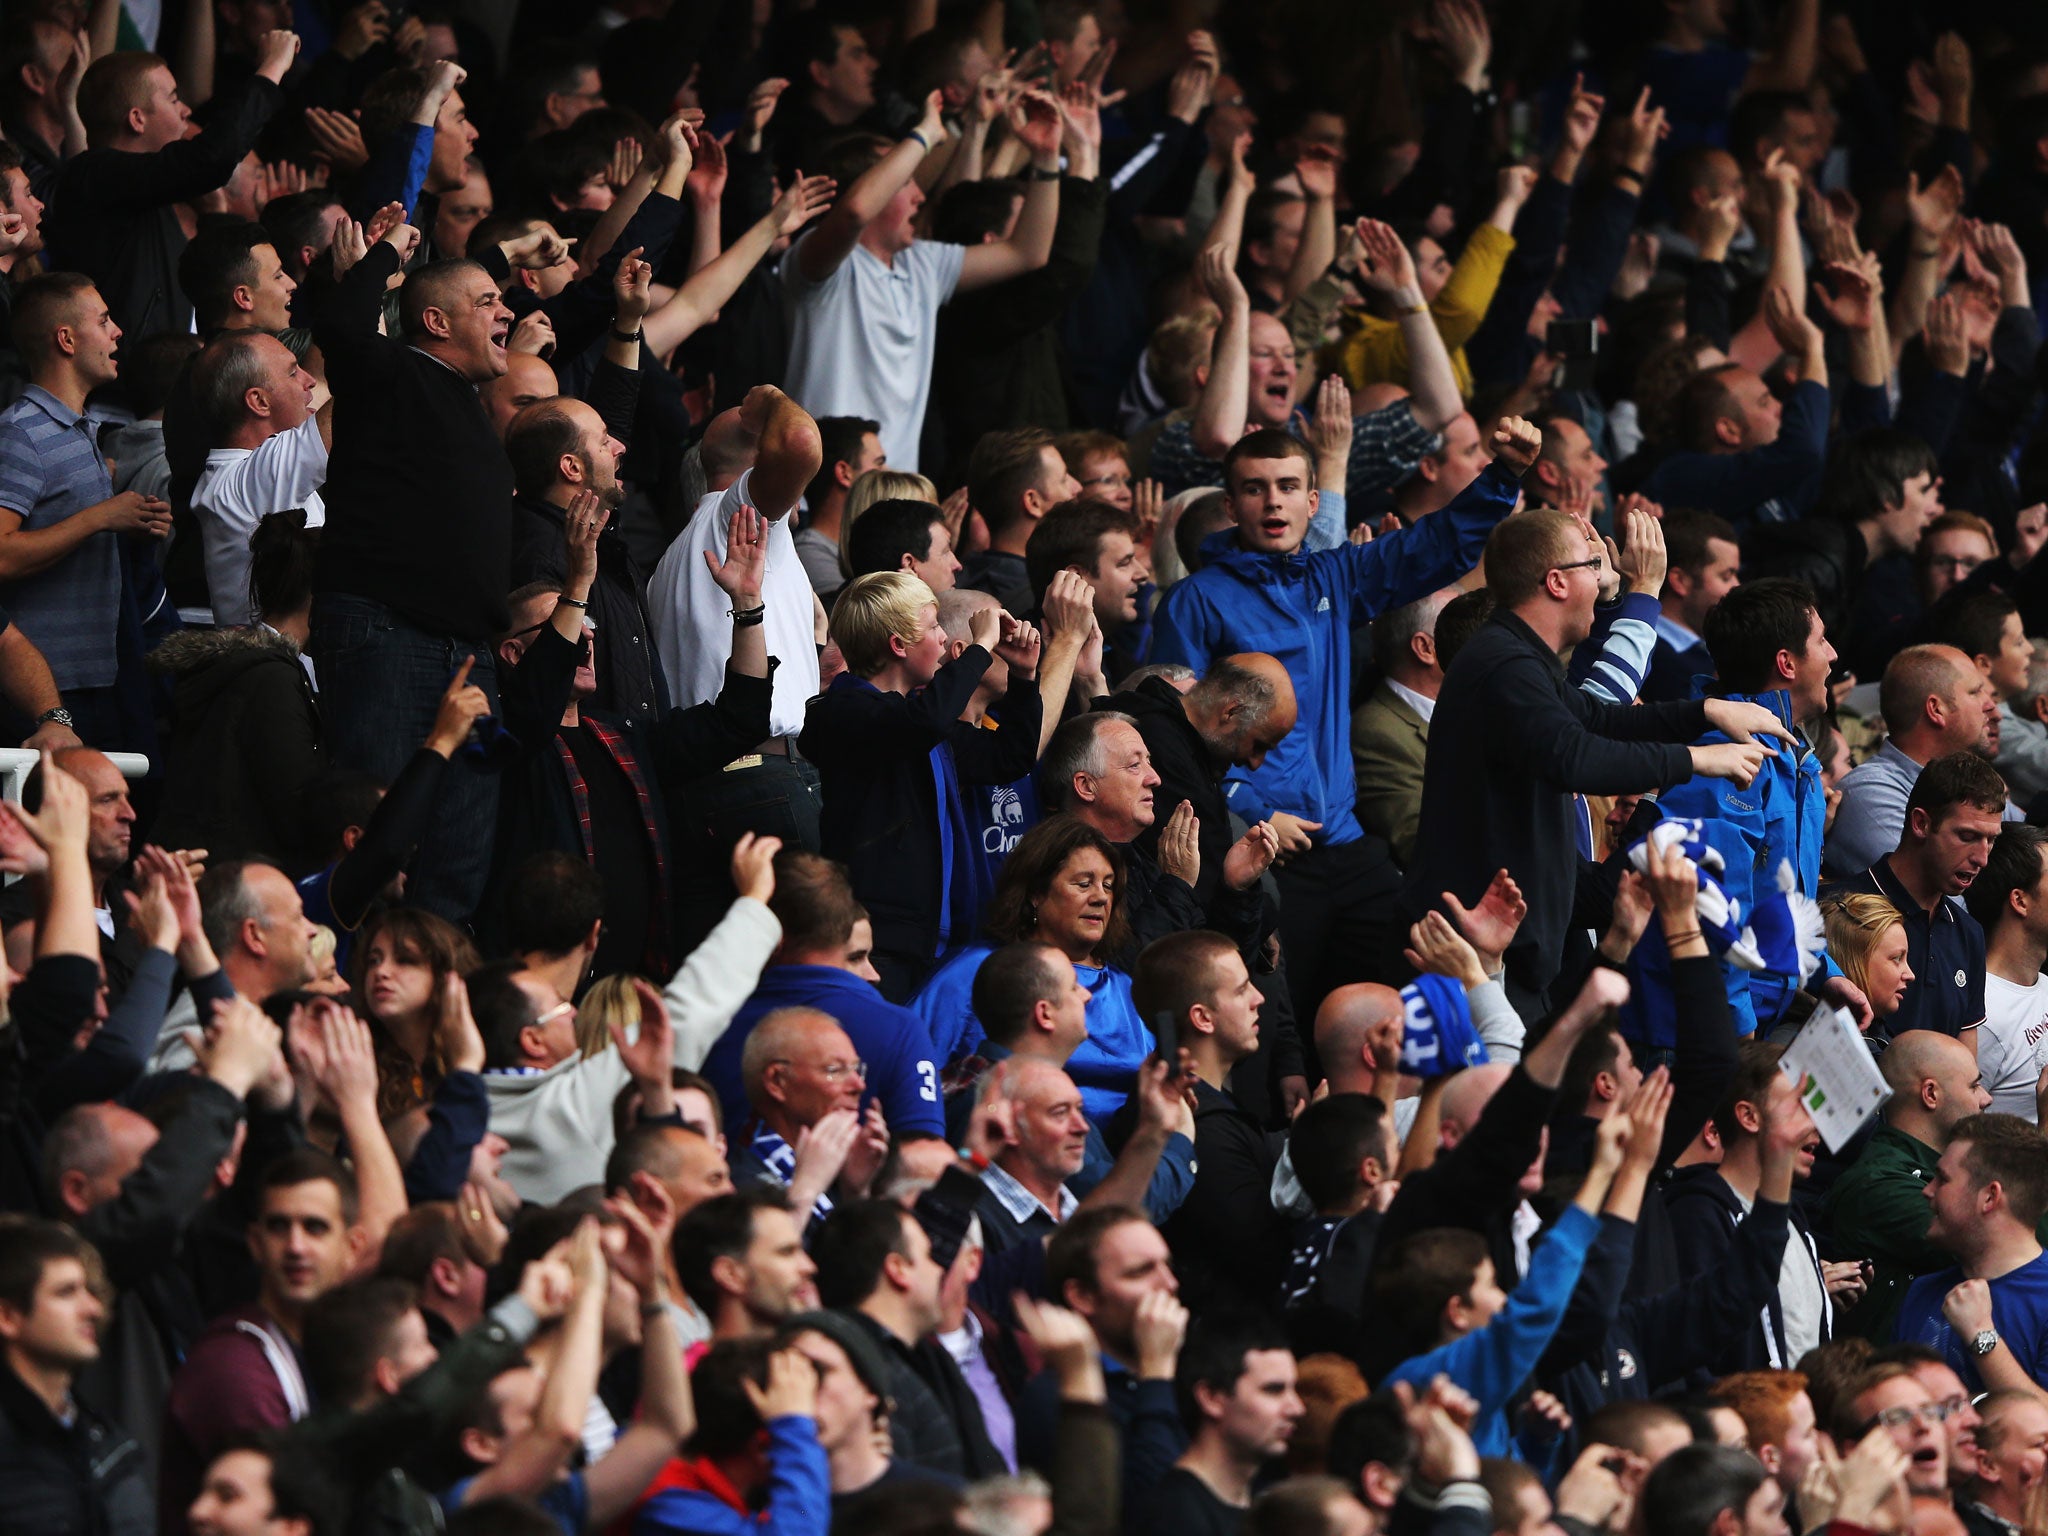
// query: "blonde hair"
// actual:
[[609, 1001], [871, 610], [1856, 925], [871, 486]]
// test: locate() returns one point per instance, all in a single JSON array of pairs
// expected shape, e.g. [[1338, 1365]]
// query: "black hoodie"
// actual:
[[246, 738], [1705, 1212]]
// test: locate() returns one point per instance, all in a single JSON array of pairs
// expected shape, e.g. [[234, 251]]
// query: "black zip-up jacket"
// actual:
[[1510, 742], [112, 215], [86, 1478], [629, 680], [1705, 1215], [1607, 1349]]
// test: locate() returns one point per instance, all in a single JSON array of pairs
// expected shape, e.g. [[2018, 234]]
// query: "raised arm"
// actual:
[[1390, 271], [790, 451], [698, 301], [1035, 121], [839, 231], [1317, 248], [1221, 408]]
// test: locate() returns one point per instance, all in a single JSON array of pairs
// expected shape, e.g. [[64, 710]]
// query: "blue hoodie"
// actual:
[[1781, 816], [1300, 609], [902, 1068]]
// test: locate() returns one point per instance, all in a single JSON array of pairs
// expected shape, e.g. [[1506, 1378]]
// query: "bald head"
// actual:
[[1344, 1023], [1466, 1096], [526, 381], [799, 1066], [89, 1153], [1934, 1083], [1269, 671], [728, 449]]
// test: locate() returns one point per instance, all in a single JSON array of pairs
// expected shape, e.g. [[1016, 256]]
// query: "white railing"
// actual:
[[17, 763]]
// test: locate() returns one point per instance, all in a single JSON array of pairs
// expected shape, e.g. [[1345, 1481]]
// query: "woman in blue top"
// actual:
[[1062, 885]]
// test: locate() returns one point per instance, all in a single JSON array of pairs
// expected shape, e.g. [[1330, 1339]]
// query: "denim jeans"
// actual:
[[381, 682]]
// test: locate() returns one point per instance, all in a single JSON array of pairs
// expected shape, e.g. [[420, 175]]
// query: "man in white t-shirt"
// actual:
[[270, 428], [760, 454], [2010, 901], [865, 291]]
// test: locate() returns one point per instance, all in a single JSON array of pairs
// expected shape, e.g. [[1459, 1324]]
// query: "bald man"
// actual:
[[560, 447], [798, 1067], [1878, 1209], [1025, 1190], [527, 380], [1934, 702], [137, 1193], [667, 1171], [1240, 711]]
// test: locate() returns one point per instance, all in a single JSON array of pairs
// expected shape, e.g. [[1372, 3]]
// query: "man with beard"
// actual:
[[559, 447]]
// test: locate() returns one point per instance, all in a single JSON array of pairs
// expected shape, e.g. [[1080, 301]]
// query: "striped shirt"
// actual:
[[50, 469]]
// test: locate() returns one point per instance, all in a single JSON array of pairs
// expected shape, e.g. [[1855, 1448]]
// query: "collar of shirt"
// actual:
[[51, 406], [1680, 638], [1893, 890], [423, 352], [1018, 1201], [964, 1342], [1425, 707]]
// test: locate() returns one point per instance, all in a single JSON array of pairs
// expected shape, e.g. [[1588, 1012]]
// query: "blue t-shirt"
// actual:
[[1002, 814], [1103, 1066], [903, 1070], [2019, 1311], [567, 1502]]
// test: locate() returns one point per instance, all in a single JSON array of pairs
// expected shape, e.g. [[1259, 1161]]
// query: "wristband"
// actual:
[[623, 336], [1413, 309], [923, 143], [978, 1161], [1038, 175], [747, 618], [575, 602]]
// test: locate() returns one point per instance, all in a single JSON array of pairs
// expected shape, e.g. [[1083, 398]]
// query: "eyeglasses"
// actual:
[[553, 1014], [1598, 562], [1962, 565], [1904, 1414], [1122, 480], [833, 1071]]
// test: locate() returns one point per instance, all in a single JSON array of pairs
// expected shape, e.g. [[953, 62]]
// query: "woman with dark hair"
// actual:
[[1063, 886], [400, 965], [246, 723]]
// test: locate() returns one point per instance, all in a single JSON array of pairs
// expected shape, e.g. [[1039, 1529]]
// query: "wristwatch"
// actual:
[[1985, 1342], [58, 716]]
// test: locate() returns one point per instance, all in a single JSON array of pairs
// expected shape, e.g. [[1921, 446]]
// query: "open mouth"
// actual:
[[500, 336], [1273, 527], [1280, 392]]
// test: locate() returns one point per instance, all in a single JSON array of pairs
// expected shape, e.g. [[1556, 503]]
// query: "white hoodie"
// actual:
[[559, 1121]]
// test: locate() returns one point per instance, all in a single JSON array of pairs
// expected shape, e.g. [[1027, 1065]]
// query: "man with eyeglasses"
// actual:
[[1959, 1416], [1511, 741], [804, 1083], [1891, 1398]]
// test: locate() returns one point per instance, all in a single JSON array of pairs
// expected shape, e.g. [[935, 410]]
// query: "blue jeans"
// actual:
[[381, 682]]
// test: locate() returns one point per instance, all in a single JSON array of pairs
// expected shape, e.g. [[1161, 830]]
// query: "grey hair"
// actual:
[[1228, 683], [1394, 632], [991, 1504], [225, 373], [226, 901], [1172, 672], [78, 1141], [2037, 681], [1076, 747]]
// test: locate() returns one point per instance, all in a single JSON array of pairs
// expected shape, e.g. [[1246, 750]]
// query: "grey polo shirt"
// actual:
[[51, 468]]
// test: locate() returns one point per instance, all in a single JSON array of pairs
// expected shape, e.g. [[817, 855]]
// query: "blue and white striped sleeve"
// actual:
[[1615, 675]]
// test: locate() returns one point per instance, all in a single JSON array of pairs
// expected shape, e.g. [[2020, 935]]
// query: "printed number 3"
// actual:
[[928, 1082]]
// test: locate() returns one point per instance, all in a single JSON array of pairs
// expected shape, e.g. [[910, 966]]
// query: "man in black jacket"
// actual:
[[415, 560], [1229, 1244], [1512, 741], [1231, 718], [587, 783], [67, 1471], [113, 211], [557, 448]]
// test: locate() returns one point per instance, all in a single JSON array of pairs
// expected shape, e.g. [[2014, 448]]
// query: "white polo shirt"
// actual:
[[861, 340], [692, 623], [238, 489]]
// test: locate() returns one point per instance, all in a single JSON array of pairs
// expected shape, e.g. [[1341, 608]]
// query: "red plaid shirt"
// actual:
[[616, 746]]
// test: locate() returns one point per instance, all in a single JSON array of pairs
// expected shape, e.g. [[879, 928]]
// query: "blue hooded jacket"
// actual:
[[1781, 816], [1300, 609]]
